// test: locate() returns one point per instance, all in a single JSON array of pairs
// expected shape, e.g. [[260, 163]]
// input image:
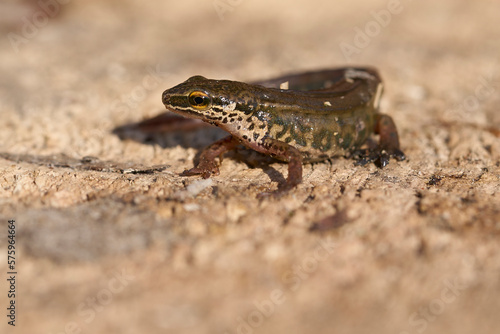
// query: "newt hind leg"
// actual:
[[388, 144]]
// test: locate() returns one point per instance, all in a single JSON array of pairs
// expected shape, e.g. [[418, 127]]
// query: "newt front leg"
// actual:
[[207, 166], [287, 153]]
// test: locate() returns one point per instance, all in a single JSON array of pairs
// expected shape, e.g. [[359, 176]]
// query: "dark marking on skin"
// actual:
[[347, 140], [213, 118], [255, 136], [303, 128], [282, 132], [327, 142], [322, 140], [251, 127], [253, 104], [288, 139], [298, 136], [179, 101], [360, 124], [318, 139], [263, 115], [246, 109], [341, 123], [361, 137]]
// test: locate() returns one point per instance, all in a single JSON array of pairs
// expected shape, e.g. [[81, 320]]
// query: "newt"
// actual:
[[298, 118]]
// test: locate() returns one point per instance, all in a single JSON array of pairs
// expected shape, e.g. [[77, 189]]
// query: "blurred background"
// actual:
[[72, 71]]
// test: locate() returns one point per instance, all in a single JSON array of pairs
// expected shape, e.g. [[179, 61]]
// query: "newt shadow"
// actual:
[[170, 130]]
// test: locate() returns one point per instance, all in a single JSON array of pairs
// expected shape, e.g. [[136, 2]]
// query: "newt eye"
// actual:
[[199, 100]]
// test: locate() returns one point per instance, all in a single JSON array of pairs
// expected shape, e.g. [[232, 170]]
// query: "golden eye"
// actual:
[[199, 100]]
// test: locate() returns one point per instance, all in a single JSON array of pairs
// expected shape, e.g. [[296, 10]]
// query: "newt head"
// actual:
[[189, 98], [198, 97]]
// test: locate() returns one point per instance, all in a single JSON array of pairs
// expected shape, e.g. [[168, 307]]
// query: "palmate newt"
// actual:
[[298, 118]]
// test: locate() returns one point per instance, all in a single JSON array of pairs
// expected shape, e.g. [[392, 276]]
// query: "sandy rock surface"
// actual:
[[110, 239]]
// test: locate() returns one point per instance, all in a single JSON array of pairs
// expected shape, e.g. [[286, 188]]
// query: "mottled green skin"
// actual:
[[337, 116]]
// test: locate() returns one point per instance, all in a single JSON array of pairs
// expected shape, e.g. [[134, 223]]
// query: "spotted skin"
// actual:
[[321, 115]]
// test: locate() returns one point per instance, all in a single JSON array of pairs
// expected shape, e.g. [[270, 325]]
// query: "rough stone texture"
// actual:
[[120, 243]]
